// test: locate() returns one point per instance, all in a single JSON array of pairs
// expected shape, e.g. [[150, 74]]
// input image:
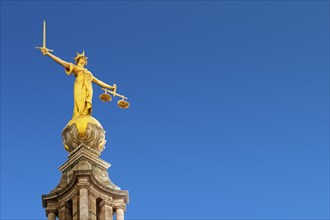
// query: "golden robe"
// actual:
[[82, 90]]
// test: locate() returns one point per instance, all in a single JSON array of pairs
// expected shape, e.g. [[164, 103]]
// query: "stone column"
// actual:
[[64, 211], [51, 216], [83, 204], [120, 214], [106, 212], [51, 210], [91, 207], [61, 212], [75, 210], [120, 207]]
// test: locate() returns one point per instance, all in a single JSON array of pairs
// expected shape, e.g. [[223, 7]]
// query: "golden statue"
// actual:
[[83, 94], [83, 90]]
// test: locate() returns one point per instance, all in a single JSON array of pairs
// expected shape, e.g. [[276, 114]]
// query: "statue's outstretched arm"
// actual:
[[58, 60], [103, 85]]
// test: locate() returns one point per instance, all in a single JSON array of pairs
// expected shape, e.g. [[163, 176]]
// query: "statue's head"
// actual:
[[81, 59]]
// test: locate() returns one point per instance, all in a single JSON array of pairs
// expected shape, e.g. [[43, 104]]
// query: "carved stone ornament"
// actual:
[[94, 137]]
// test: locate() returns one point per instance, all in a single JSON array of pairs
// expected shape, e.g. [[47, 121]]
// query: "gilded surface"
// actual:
[[83, 89], [83, 128], [86, 130]]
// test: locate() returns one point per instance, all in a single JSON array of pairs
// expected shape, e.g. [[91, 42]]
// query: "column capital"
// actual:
[[51, 210], [65, 204], [61, 204], [51, 207], [107, 202], [119, 204], [83, 182]]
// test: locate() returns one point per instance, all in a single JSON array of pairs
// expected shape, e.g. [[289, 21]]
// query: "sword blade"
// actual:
[[44, 39], [44, 35]]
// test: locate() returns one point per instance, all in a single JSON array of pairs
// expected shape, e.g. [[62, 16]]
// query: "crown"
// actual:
[[79, 55]]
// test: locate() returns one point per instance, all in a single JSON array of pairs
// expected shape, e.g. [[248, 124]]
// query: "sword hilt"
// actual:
[[49, 50]]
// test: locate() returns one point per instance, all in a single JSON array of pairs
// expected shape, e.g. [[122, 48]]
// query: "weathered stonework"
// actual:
[[85, 191]]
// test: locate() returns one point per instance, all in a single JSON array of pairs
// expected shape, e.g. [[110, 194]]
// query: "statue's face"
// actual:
[[82, 61]]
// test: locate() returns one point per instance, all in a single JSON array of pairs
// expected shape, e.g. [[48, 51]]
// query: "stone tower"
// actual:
[[85, 191]]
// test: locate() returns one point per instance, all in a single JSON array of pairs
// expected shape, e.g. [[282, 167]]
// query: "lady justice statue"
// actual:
[[83, 128], [82, 90]]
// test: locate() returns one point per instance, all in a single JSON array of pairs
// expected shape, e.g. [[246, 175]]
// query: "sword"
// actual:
[[44, 40]]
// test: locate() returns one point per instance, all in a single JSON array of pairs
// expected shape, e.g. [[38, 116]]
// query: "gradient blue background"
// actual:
[[229, 113]]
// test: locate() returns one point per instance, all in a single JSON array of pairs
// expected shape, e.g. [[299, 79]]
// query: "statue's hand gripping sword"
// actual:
[[44, 48]]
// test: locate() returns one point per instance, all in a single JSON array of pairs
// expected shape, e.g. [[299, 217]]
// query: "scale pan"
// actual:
[[123, 104], [105, 97]]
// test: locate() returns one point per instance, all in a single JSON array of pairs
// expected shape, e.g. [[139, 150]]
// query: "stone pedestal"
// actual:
[[85, 191]]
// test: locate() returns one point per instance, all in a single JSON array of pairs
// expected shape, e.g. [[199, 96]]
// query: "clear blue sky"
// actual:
[[229, 112]]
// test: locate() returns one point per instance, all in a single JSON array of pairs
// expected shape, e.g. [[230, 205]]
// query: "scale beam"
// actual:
[[107, 98], [114, 93]]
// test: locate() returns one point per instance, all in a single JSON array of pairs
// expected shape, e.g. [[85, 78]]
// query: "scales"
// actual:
[[105, 97]]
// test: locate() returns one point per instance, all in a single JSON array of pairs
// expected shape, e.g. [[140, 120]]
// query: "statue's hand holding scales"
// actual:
[[83, 90]]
